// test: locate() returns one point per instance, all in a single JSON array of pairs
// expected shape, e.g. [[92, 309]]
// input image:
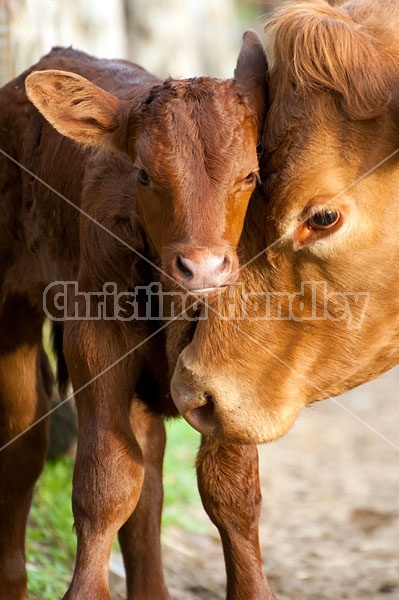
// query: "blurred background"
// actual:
[[180, 38]]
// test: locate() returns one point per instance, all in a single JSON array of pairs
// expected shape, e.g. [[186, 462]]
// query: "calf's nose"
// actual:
[[201, 269]]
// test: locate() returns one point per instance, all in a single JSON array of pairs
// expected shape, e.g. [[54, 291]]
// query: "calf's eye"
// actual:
[[324, 219], [144, 178], [252, 178]]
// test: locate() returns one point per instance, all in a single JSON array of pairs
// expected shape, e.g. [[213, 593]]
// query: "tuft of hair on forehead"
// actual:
[[194, 88], [320, 46]]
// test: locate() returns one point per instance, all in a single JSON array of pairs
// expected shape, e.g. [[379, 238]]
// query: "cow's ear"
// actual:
[[77, 108], [252, 73]]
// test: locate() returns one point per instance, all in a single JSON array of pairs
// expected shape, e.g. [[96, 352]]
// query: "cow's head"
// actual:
[[319, 311], [193, 146]]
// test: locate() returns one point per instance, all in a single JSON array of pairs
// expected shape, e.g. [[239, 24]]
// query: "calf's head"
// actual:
[[319, 311], [192, 144]]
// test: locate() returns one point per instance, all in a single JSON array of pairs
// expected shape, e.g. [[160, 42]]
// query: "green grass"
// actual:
[[50, 544], [182, 503], [51, 541]]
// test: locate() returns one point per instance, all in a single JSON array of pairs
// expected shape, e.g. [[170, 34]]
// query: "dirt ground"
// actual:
[[330, 521]]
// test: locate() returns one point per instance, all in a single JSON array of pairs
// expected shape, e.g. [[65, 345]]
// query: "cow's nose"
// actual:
[[202, 269], [201, 415], [194, 404]]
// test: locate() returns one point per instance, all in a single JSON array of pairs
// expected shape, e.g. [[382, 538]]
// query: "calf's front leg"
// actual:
[[140, 536], [228, 481], [109, 468]]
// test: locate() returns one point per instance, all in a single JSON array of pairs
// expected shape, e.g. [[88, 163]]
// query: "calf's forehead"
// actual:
[[202, 119]]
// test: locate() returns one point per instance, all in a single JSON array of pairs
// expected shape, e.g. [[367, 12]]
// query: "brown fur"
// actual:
[[331, 138], [197, 141], [308, 56]]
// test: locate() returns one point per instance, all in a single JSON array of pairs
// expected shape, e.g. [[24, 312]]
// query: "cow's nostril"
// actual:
[[181, 264], [202, 417]]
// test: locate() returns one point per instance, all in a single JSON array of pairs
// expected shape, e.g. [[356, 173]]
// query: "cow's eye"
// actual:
[[144, 178], [323, 219]]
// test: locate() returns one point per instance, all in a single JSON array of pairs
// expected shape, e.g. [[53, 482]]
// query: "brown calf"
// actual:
[[318, 313], [158, 188]]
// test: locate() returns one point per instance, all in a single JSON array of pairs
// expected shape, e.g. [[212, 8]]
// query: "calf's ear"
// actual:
[[252, 74], [77, 108]]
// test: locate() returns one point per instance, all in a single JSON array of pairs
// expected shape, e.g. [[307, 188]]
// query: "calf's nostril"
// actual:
[[226, 265], [181, 264], [203, 268]]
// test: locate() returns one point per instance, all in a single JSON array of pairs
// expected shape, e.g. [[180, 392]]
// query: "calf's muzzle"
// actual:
[[203, 269]]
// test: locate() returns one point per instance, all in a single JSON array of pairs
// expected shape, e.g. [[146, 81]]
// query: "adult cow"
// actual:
[[328, 218], [156, 190], [317, 313]]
